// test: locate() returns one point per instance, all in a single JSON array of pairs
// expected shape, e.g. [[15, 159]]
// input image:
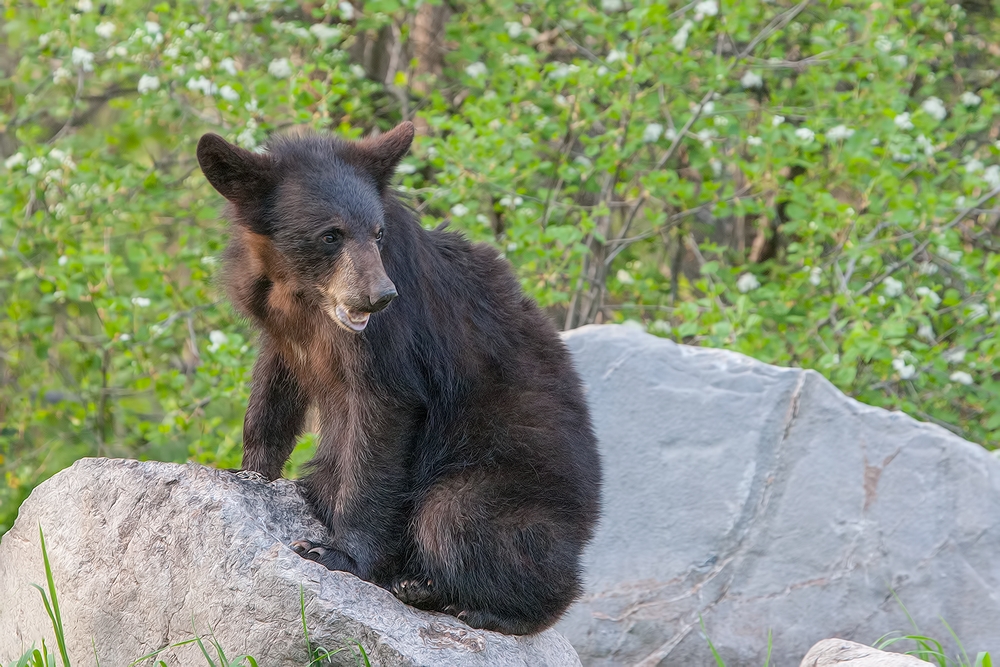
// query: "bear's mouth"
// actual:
[[353, 320]]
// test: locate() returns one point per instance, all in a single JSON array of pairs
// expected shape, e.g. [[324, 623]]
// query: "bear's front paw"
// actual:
[[415, 591], [330, 557]]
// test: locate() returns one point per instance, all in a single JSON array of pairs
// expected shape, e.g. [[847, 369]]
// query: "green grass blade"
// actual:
[[204, 651], [958, 642], [718, 658], [364, 654], [983, 660], [305, 629], [767, 660], [55, 615]]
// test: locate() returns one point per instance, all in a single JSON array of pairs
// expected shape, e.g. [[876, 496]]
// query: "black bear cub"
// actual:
[[456, 464]]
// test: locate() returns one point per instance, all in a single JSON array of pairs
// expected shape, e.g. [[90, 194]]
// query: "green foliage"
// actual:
[[810, 184]]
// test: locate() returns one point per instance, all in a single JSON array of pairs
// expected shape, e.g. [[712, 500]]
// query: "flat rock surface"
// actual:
[[145, 555], [761, 499]]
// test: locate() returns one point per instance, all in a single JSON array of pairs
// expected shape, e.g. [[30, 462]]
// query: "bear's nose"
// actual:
[[382, 299]]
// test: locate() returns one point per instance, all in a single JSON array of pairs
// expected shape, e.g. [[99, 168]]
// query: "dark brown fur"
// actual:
[[456, 464]]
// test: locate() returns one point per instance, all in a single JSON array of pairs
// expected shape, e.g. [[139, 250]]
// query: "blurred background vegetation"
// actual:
[[811, 184]]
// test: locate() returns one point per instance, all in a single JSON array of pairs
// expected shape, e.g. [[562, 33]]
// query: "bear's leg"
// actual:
[[275, 415], [490, 550]]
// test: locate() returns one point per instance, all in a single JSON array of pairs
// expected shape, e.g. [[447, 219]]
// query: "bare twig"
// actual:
[[923, 246]]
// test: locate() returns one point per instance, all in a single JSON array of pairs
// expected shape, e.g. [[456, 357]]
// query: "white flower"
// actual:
[[217, 339], [324, 32], [747, 282], [720, 121], [716, 166], [614, 55], [459, 210], [522, 59], [152, 27], [892, 287], [247, 138], [125, 337], [926, 331], [777, 120], [85, 5], [708, 108], [752, 81], [511, 202], [63, 260], [148, 83], [839, 132], [805, 134], [978, 311], [754, 141], [82, 58], [624, 277], [659, 328], [680, 40], [61, 75], [652, 133], [15, 160], [970, 99], [228, 65], [973, 166], [992, 175], [140, 301], [560, 71], [815, 276], [903, 121], [670, 134], [705, 137], [105, 29], [905, 370], [280, 68], [954, 356], [227, 93], [928, 268], [961, 377], [406, 168], [705, 8], [609, 6], [883, 44], [934, 108], [929, 293], [346, 11], [34, 166], [476, 70], [204, 85], [237, 17], [953, 256], [925, 143], [900, 60], [514, 29]]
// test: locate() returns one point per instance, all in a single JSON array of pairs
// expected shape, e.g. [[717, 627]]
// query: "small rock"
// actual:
[[842, 653]]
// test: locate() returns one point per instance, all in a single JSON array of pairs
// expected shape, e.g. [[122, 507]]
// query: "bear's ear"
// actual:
[[380, 155], [239, 175]]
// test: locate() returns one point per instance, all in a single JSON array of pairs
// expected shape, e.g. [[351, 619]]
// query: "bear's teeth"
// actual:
[[352, 319]]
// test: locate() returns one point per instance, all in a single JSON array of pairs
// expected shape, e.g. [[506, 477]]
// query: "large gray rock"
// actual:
[[760, 499], [145, 555]]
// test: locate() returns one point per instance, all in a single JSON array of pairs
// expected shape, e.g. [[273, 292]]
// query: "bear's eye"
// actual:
[[331, 237], [378, 235]]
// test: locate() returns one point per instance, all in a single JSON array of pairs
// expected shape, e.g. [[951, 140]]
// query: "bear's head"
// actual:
[[312, 208]]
